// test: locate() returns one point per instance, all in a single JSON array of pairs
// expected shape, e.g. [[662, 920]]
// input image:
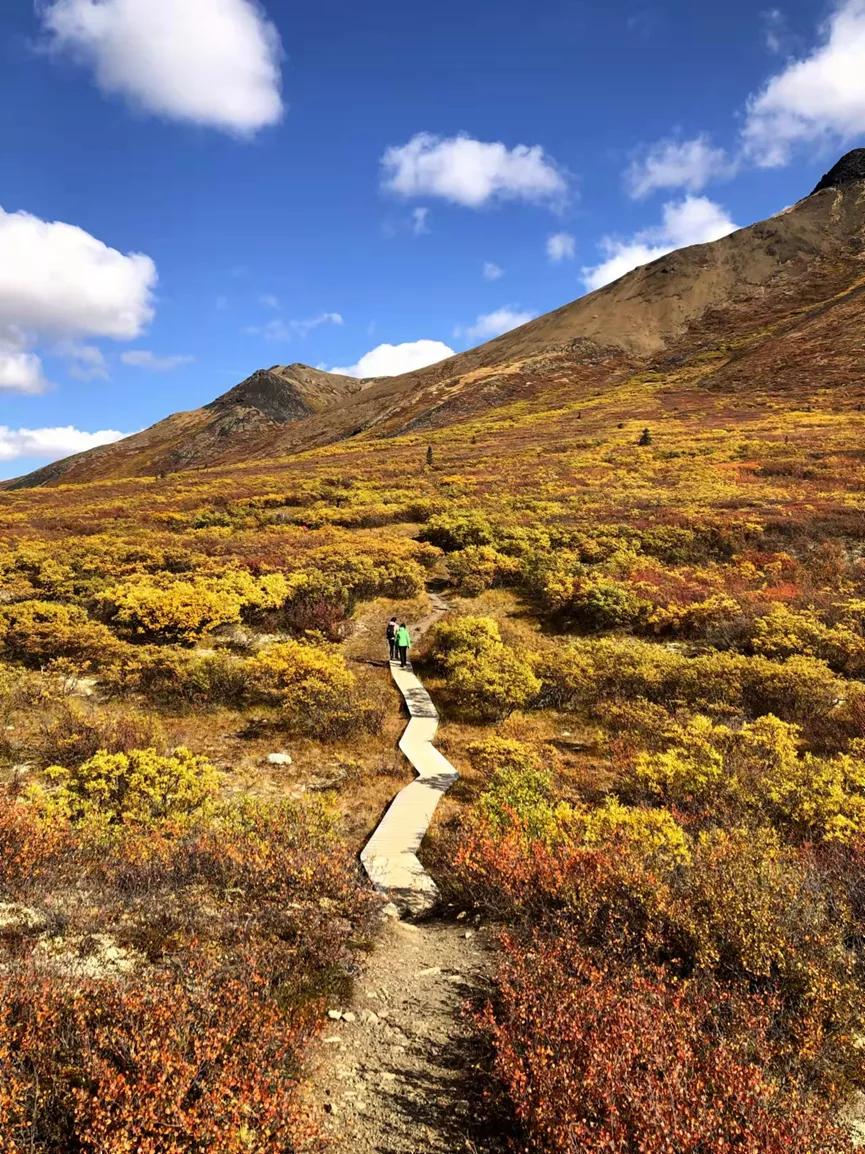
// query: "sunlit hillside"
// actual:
[[651, 681]]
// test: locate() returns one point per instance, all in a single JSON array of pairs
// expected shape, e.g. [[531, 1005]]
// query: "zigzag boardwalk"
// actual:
[[398, 1073], [390, 856]]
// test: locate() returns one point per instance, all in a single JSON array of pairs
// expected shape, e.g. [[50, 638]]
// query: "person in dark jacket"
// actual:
[[403, 643], [391, 638]]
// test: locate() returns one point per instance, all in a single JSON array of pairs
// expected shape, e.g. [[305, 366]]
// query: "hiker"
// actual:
[[403, 644], [391, 637]]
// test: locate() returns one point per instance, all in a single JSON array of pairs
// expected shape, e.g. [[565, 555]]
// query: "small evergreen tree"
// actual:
[[645, 437], [429, 455]]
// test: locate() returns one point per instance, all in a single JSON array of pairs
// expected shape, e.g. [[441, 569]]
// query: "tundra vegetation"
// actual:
[[653, 679]]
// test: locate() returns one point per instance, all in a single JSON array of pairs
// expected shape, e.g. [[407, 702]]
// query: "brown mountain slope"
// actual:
[[250, 413], [769, 278]]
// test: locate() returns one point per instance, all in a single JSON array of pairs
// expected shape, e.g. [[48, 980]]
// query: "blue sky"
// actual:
[[310, 182]]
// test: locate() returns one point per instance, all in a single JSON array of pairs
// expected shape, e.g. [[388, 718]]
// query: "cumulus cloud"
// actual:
[[283, 330], [491, 271], [145, 359], [51, 444], [493, 324], [391, 360], [472, 172], [20, 371], [666, 164], [208, 62], [819, 98], [59, 283], [56, 278], [694, 220], [561, 246]]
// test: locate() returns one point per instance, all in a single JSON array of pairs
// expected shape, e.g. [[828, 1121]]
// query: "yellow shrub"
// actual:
[[139, 786], [653, 834], [760, 770], [784, 632], [688, 774], [520, 793], [38, 631], [495, 753], [494, 684], [316, 692], [454, 640], [479, 567], [182, 610]]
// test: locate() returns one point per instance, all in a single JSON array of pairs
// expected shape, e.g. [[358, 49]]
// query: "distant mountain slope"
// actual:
[[770, 276], [251, 412]]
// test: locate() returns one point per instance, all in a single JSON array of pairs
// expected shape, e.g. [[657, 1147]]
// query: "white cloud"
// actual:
[[817, 99], [58, 283], [491, 271], [472, 172], [145, 359], [694, 220], [776, 30], [20, 371], [56, 278], [282, 330], [391, 360], [209, 62], [269, 301], [51, 444], [86, 362], [420, 221], [561, 246], [688, 164], [493, 324]]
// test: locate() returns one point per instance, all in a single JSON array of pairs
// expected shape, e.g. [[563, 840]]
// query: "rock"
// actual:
[[84, 687], [428, 973], [279, 759], [24, 919], [389, 911], [848, 170], [334, 1015], [349, 1016], [369, 1017], [322, 784], [461, 915]]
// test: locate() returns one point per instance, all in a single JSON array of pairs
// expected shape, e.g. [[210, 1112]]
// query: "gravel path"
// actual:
[[399, 1072]]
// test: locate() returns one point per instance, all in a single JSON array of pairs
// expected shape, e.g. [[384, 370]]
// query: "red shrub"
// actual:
[[164, 1065], [596, 1062]]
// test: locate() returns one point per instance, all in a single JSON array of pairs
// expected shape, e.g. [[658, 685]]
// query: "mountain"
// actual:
[[756, 294]]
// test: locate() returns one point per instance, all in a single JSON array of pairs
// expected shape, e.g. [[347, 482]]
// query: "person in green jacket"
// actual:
[[403, 644]]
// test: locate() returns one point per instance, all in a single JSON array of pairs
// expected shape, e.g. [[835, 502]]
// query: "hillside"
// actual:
[[632, 561], [775, 273]]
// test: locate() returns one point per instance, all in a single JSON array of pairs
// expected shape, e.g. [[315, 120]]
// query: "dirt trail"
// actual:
[[398, 1071]]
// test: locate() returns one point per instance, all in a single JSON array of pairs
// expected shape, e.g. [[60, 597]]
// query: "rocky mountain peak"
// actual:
[[848, 170]]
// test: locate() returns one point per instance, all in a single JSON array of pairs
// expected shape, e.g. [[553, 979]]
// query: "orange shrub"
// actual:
[[611, 1062]]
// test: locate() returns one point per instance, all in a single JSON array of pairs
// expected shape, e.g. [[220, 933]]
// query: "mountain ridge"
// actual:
[[671, 308]]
